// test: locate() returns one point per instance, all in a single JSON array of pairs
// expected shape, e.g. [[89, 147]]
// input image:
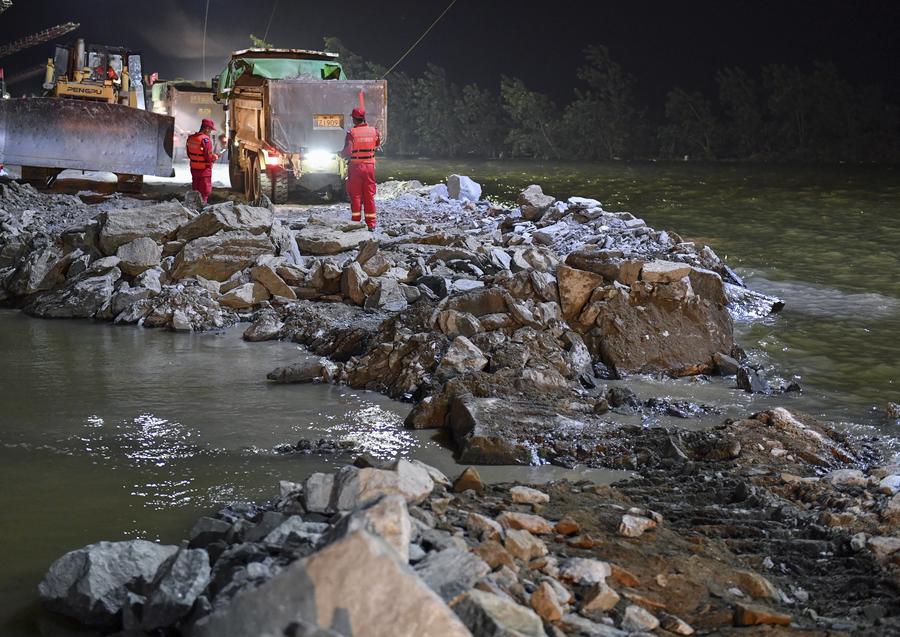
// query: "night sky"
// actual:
[[664, 44]]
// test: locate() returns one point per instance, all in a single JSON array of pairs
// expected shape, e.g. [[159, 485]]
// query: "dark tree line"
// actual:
[[782, 113]]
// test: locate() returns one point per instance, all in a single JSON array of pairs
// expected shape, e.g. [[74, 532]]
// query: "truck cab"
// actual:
[[287, 112]]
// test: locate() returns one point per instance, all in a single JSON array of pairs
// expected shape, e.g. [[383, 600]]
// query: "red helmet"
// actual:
[[358, 113], [208, 123]]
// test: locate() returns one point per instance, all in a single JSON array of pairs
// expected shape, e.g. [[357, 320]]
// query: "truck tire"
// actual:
[[235, 173], [252, 180], [275, 187]]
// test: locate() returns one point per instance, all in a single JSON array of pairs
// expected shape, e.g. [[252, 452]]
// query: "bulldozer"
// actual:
[[92, 118]]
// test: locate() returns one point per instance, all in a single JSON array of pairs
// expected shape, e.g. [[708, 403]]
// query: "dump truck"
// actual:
[[287, 112], [189, 102], [92, 118]]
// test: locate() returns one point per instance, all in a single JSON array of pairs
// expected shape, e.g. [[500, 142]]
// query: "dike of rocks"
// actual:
[[788, 537]]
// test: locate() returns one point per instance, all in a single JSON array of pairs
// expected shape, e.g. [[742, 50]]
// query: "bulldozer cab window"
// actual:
[[331, 72]]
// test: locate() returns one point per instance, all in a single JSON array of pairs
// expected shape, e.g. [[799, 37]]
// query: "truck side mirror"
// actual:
[[214, 83]]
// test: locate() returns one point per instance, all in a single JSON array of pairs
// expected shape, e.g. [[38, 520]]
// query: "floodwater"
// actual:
[[111, 432], [824, 238], [116, 432]]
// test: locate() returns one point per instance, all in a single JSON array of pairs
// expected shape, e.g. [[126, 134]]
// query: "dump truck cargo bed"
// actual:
[[315, 114], [82, 135]]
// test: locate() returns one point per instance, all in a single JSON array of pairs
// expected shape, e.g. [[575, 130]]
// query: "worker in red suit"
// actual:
[[359, 150], [200, 154]]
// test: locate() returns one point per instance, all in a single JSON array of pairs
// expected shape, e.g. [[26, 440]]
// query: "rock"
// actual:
[[533, 202], [305, 371], [269, 278], [463, 356], [635, 525], [545, 603], [567, 526], [389, 296], [138, 255], [483, 527], [451, 572], [317, 492], [523, 545], [158, 222], [752, 381], [577, 625], [675, 624], [575, 288], [206, 531], [746, 615], [664, 271], [883, 547], [844, 478], [494, 555], [489, 614], [583, 571], [82, 299], [531, 523], [527, 495], [227, 216], [601, 598], [387, 517], [890, 485], [91, 583], [178, 583], [266, 327], [893, 410], [221, 255], [725, 364], [636, 619], [245, 296], [353, 282], [453, 323], [468, 479], [755, 585], [462, 188], [354, 487], [389, 601], [181, 322], [708, 285], [324, 236]]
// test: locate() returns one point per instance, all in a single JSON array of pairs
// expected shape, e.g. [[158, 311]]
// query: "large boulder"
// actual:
[[355, 586], [81, 299], [91, 584], [178, 583], [497, 431], [534, 202], [158, 222], [323, 235], [276, 286], [354, 487], [227, 216], [659, 328], [463, 188], [463, 356], [575, 288], [221, 255], [245, 296], [139, 255], [488, 614], [387, 517]]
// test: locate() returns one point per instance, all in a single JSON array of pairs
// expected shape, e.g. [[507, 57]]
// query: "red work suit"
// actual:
[[359, 149], [201, 155]]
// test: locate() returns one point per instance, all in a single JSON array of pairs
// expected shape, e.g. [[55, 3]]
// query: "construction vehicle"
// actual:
[[188, 102], [288, 111], [93, 119]]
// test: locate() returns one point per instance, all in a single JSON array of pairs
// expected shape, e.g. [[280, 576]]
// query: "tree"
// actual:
[[535, 121], [259, 43], [691, 127], [739, 96], [610, 118], [482, 128], [436, 122]]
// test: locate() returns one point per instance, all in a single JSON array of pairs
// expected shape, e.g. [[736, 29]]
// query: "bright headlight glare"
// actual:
[[319, 158]]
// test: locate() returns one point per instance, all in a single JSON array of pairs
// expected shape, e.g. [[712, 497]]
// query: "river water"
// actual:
[[111, 432]]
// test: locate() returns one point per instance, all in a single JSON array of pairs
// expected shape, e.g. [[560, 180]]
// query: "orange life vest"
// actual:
[[363, 142], [196, 151]]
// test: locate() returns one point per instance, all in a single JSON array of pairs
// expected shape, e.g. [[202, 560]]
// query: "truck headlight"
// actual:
[[319, 159]]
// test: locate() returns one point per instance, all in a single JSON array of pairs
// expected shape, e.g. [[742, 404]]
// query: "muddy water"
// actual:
[[825, 238], [110, 432]]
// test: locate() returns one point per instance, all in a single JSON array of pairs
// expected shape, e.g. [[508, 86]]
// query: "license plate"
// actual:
[[329, 121]]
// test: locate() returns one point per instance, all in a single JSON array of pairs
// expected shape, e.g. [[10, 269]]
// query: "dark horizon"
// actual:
[[662, 44]]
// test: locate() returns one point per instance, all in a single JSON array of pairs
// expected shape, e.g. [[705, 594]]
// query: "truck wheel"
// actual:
[[252, 180], [281, 187], [235, 173]]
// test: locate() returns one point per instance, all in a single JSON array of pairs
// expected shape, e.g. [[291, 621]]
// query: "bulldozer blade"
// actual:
[[50, 132]]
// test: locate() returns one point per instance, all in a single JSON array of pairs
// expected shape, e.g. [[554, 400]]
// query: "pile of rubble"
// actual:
[[399, 550]]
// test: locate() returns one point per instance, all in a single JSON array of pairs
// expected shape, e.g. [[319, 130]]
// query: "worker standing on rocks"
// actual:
[[359, 150], [201, 155]]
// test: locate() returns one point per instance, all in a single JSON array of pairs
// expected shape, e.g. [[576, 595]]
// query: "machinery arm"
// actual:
[[37, 38]]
